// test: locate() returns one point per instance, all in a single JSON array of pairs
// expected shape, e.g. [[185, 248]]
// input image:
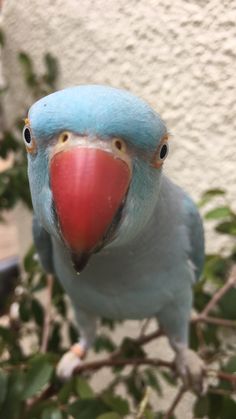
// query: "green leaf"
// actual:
[[2, 38], [38, 375], [66, 391], [227, 305], [151, 380], [28, 69], [130, 349], [38, 312], [12, 405], [116, 403], [227, 227], [215, 406], [169, 378], [52, 70], [228, 408], [230, 367], [83, 389], [149, 414], [209, 195], [215, 267], [52, 413], [25, 309], [201, 407], [109, 415], [3, 385], [55, 338], [104, 343], [87, 408], [217, 213]]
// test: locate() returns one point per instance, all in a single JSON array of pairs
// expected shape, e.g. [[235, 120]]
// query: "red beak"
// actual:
[[88, 187]]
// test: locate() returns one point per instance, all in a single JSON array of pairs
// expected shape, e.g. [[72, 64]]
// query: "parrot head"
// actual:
[[95, 155]]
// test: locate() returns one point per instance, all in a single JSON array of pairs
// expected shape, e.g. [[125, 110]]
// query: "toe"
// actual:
[[67, 364]]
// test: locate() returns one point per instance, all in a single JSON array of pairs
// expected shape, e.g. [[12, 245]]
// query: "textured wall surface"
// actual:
[[180, 56]]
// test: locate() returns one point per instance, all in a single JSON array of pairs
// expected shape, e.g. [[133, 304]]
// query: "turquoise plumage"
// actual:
[[146, 260]]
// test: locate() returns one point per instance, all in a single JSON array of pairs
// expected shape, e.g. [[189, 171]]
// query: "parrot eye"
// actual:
[[27, 135], [161, 153], [29, 140]]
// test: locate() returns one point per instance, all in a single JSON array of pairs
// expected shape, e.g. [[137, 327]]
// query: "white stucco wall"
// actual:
[[180, 56]]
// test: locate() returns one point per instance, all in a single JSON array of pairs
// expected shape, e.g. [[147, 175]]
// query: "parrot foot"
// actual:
[[190, 368], [69, 361]]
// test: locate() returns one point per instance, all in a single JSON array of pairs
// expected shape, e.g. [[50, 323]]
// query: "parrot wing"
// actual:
[[43, 244], [195, 234]]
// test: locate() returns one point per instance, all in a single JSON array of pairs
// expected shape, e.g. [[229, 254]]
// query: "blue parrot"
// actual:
[[125, 242]]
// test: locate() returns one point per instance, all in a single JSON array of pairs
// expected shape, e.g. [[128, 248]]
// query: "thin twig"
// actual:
[[144, 327], [175, 403], [47, 318], [214, 320], [219, 322], [231, 282], [141, 340], [226, 376], [144, 403], [121, 362]]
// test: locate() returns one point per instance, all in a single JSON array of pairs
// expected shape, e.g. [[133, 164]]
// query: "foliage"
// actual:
[[14, 181], [29, 387]]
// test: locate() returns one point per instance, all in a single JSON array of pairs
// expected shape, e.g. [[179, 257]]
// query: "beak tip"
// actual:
[[79, 261]]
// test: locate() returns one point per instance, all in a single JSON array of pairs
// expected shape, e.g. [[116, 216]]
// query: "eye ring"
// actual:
[[29, 140], [161, 153]]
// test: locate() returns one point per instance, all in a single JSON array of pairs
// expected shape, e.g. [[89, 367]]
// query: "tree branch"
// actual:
[[175, 403], [231, 282], [121, 362]]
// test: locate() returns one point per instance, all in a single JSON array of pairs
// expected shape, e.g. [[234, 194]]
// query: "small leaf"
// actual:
[[217, 213], [116, 403], [51, 68], [2, 38], [227, 305], [87, 408], [229, 408], [210, 194], [38, 312], [83, 389], [12, 403], [130, 349], [52, 413], [104, 342], [201, 407], [65, 392], [230, 367], [37, 377], [151, 379], [27, 66], [3, 385], [109, 415], [227, 227]]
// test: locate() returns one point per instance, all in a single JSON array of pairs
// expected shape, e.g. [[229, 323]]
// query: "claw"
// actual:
[[69, 361], [190, 368]]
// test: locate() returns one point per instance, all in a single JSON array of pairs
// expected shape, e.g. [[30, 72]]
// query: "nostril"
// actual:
[[118, 144], [64, 137]]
